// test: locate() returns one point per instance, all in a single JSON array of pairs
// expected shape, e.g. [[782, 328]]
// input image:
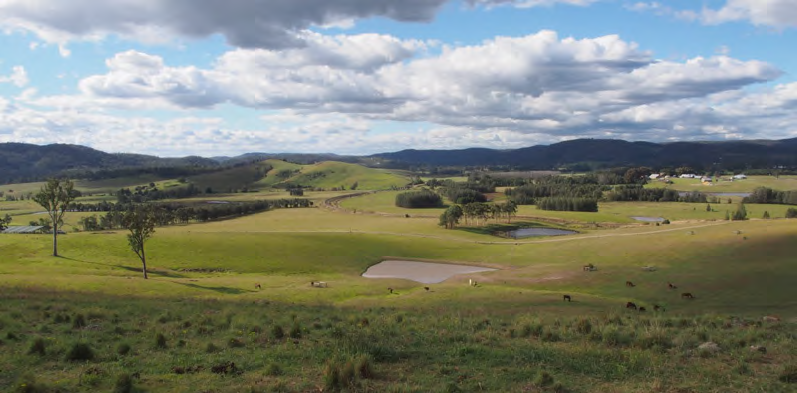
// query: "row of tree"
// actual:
[[769, 196], [477, 213], [419, 199], [564, 204]]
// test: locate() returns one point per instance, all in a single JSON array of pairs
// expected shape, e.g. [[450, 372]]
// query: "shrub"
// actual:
[[124, 384], [296, 331], [543, 378], [27, 384], [277, 333], [37, 347], [789, 374], [348, 375], [791, 213], [273, 370], [160, 341], [78, 322], [583, 326], [123, 349], [331, 377], [235, 343], [210, 348], [79, 352], [364, 367]]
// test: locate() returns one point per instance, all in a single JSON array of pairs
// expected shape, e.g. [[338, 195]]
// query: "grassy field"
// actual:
[[200, 309], [782, 183]]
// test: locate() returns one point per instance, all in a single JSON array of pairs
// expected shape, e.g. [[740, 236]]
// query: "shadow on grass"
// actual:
[[225, 290], [154, 272]]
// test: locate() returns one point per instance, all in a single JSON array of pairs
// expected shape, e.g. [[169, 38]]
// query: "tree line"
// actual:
[[766, 195]]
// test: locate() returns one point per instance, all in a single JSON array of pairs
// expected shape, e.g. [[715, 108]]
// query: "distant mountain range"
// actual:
[[21, 162]]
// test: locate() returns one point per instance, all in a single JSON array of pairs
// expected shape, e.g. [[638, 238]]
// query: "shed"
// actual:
[[24, 229]]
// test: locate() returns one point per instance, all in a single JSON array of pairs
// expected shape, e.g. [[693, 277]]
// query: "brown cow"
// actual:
[[566, 297], [642, 309], [629, 284], [687, 295], [656, 307], [630, 305], [257, 285], [671, 285]]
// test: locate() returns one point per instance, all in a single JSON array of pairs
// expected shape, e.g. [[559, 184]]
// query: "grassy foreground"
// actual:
[[80, 343], [87, 322]]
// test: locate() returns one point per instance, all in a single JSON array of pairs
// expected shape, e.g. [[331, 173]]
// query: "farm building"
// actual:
[[24, 229], [740, 177], [688, 176]]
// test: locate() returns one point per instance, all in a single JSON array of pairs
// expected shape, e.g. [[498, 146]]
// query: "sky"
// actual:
[[357, 77]]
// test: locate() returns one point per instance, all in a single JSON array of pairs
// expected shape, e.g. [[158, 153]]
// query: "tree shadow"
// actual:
[[225, 290], [154, 272]]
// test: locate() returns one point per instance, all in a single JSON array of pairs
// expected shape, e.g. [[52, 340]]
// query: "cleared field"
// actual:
[[782, 183]]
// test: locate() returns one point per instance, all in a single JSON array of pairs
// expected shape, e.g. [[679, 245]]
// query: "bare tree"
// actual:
[[55, 197], [140, 221]]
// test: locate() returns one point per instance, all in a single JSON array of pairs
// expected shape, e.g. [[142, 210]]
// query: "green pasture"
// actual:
[[271, 177], [511, 332], [781, 183], [332, 174]]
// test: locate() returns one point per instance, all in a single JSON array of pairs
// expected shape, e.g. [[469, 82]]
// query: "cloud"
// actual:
[[772, 13], [19, 77], [244, 23], [530, 3], [539, 83], [330, 94]]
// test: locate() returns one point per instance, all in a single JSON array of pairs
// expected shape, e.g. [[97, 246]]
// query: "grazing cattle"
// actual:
[[629, 284], [687, 295], [390, 290], [318, 284], [257, 285], [426, 288], [630, 305], [642, 309], [656, 307], [771, 318], [566, 297], [671, 285]]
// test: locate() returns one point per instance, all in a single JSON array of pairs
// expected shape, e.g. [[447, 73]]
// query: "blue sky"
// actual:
[[210, 77]]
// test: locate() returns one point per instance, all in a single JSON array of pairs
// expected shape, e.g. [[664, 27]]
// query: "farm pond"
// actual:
[[532, 232], [423, 272]]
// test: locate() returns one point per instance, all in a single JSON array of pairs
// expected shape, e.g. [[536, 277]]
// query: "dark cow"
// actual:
[[642, 309], [671, 285], [566, 297], [390, 290], [630, 305], [257, 285], [687, 295], [426, 288], [656, 307], [629, 284]]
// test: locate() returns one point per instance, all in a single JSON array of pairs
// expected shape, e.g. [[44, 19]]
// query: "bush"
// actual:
[[296, 331], [123, 349], [543, 379], [791, 213], [79, 352], [583, 326], [211, 348], [27, 384], [364, 368], [235, 343], [273, 370], [78, 322], [124, 384], [277, 333], [37, 347], [160, 341], [789, 374], [331, 377]]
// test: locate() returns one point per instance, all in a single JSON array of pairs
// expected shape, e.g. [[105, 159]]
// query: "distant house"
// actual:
[[24, 229], [740, 177], [688, 176], [654, 176]]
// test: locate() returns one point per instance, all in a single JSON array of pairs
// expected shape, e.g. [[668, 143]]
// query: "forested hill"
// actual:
[[21, 162], [586, 154]]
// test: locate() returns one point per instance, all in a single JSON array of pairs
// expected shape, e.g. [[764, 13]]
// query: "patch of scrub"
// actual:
[[531, 232], [648, 219], [423, 272]]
